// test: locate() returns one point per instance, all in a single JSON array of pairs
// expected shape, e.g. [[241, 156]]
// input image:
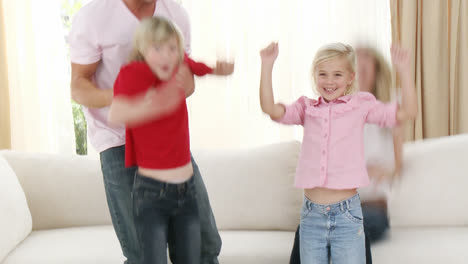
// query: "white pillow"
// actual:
[[15, 220]]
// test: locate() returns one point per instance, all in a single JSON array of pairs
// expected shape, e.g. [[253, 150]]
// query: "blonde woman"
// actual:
[[383, 148]]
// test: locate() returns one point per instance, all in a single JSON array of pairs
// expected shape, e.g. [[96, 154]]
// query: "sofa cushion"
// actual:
[[99, 245], [259, 247], [79, 245], [402, 245], [432, 190], [253, 189], [15, 220], [429, 245]]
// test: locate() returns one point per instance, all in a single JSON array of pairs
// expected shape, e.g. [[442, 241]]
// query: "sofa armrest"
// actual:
[[62, 190], [15, 218]]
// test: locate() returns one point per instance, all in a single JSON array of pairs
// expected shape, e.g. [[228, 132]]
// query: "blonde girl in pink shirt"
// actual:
[[331, 165]]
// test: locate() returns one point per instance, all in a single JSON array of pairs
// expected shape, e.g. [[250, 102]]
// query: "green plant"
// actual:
[[69, 9], [80, 129]]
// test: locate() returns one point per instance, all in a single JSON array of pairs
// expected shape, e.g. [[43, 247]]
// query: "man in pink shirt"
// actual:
[[100, 42]]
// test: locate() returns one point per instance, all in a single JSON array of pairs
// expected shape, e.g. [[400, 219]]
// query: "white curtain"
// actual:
[[38, 79], [225, 112]]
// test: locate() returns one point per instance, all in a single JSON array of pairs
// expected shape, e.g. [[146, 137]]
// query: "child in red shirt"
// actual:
[[151, 103]]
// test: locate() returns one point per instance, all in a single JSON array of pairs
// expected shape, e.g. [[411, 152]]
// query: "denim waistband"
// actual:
[[147, 182], [339, 207]]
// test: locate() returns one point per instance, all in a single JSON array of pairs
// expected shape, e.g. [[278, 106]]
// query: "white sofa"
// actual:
[[53, 208]]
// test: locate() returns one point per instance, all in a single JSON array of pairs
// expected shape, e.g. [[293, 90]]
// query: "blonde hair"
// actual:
[[336, 51], [153, 31], [383, 74]]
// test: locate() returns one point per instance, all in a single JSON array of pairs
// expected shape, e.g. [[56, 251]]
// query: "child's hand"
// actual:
[[165, 100], [400, 58], [270, 53], [184, 79], [223, 68]]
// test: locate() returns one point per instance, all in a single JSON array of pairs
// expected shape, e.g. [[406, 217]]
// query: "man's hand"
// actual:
[[163, 101], [184, 78]]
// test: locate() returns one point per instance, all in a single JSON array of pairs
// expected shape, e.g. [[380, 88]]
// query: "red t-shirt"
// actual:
[[163, 143]]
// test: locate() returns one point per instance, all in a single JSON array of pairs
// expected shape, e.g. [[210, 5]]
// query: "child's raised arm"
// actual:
[[408, 109], [267, 100]]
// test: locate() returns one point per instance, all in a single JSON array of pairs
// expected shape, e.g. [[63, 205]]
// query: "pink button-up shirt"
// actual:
[[332, 153]]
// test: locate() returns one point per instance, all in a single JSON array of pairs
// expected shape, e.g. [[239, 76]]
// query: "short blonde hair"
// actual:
[[333, 51], [382, 88], [152, 31]]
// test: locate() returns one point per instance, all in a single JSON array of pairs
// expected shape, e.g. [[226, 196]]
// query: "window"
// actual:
[[225, 112], [68, 10]]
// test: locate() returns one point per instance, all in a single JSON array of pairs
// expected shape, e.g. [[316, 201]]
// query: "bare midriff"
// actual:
[[328, 196], [175, 175]]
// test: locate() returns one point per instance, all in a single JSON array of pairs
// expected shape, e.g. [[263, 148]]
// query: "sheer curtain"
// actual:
[[5, 136], [38, 84], [225, 112]]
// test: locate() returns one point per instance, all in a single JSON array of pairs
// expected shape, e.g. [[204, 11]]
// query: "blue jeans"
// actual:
[[376, 224], [333, 232], [118, 183], [376, 221], [164, 210]]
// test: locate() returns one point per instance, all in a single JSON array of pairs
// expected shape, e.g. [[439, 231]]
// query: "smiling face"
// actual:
[[333, 78], [163, 58]]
